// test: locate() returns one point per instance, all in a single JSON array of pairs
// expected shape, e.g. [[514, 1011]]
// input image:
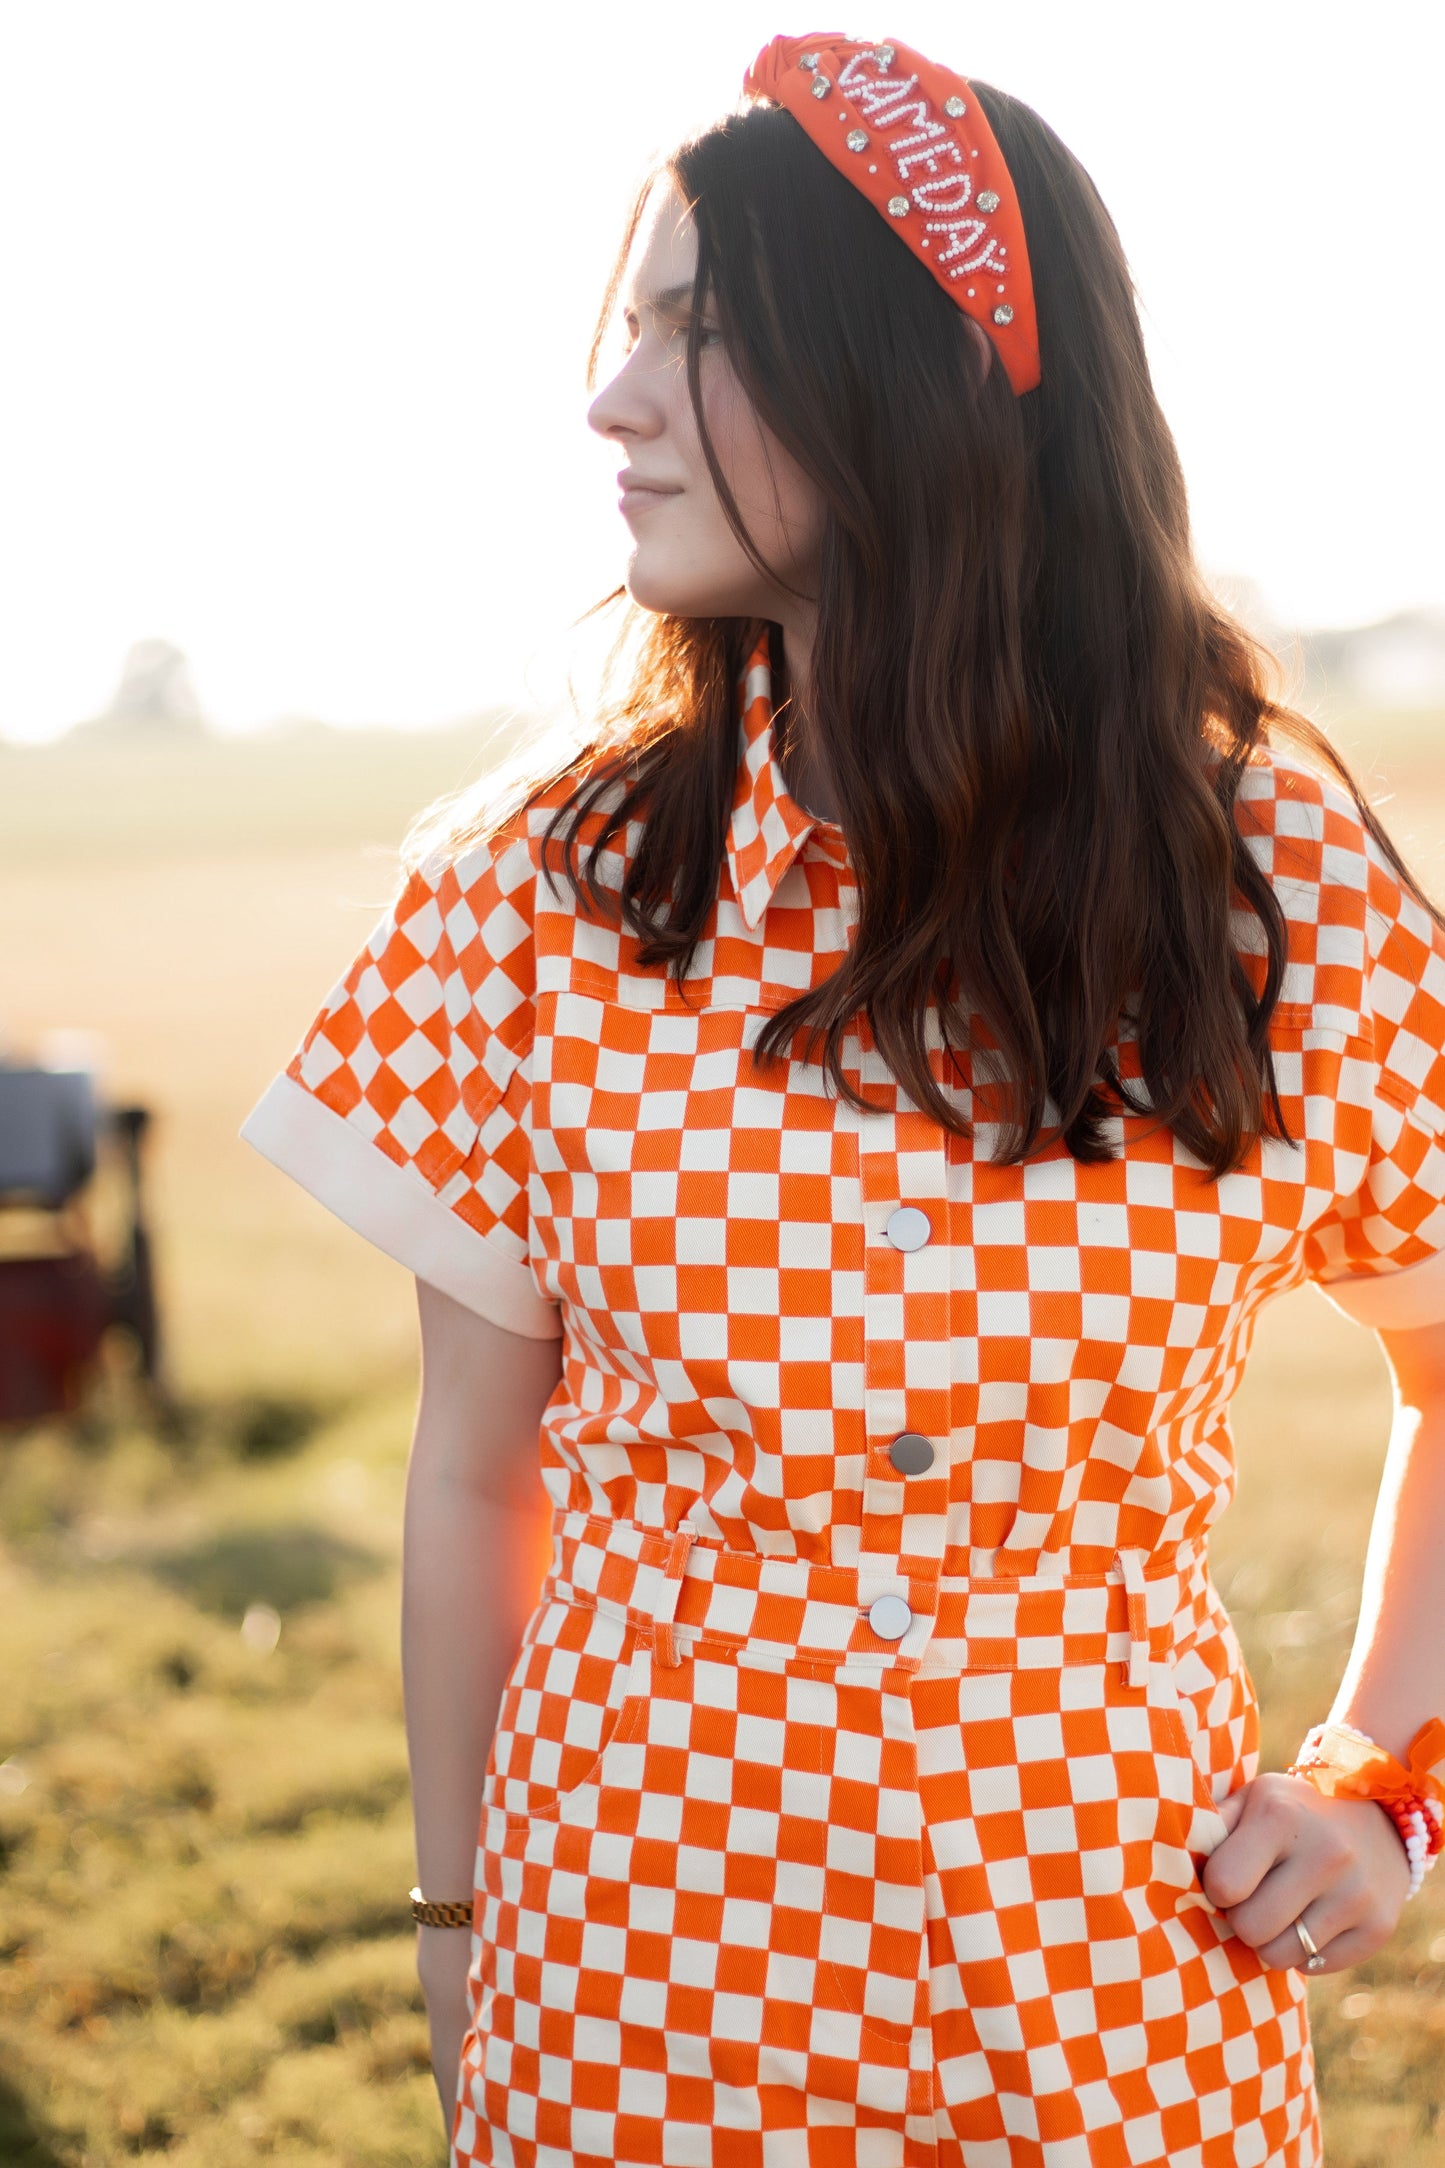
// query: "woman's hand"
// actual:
[[1290, 1852], [442, 1954]]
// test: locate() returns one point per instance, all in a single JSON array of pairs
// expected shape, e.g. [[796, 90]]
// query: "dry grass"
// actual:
[[204, 1955]]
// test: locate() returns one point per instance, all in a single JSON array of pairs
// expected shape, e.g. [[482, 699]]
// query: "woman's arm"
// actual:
[[1395, 1680], [1288, 1848], [470, 1573]]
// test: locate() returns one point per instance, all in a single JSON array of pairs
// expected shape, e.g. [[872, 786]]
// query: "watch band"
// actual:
[[441, 1911]]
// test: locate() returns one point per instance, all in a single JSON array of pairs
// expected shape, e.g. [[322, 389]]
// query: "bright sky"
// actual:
[[297, 295]]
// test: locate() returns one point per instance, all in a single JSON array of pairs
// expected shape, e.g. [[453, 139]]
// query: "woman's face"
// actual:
[[686, 560]]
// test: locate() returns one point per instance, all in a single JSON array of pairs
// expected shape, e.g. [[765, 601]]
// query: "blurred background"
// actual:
[[299, 511]]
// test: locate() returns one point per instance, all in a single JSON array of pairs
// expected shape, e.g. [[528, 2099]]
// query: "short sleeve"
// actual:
[[405, 1108], [1379, 1251]]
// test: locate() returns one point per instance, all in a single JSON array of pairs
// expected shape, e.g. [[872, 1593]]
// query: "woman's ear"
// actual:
[[982, 346]]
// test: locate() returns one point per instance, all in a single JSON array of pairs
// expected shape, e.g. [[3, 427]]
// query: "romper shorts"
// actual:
[[760, 1886]]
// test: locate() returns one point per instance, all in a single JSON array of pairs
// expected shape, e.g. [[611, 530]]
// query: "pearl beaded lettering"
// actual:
[[892, 101], [902, 113]]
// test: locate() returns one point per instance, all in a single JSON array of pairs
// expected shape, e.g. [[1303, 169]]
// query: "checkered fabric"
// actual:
[[771, 1890], [754, 1883]]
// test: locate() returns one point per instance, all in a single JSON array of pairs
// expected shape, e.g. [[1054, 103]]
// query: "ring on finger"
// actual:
[[1314, 1956]]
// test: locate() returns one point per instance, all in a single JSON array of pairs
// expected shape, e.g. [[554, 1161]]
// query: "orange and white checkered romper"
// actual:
[[851, 1787]]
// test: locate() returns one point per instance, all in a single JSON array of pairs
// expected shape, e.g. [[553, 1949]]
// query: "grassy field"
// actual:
[[204, 1827]]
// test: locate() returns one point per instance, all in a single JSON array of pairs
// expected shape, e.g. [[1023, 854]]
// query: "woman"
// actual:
[[898, 1058]]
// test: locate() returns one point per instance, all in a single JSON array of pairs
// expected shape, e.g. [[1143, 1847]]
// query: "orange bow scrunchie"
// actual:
[[1342, 1763], [913, 138]]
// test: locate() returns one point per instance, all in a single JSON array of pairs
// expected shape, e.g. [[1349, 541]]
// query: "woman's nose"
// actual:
[[624, 407]]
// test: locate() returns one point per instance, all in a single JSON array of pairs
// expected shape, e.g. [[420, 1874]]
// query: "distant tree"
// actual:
[[156, 692]]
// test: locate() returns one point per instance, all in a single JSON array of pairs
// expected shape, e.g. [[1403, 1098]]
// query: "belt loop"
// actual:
[[664, 1611], [1131, 1571]]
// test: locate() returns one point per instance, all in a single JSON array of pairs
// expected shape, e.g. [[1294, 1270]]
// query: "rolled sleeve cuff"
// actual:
[[1403, 1300], [393, 1207]]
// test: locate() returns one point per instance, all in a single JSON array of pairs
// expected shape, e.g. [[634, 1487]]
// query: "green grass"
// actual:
[[204, 1954], [207, 1957]]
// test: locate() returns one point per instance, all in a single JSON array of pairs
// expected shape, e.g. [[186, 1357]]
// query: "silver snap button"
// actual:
[[908, 1228], [911, 1454], [890, 1618]]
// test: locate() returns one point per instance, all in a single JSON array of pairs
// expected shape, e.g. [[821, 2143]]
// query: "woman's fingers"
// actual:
[[1339, 1952], [1304, 1883], [1290, 1854], [1370, 1922], [1264, 1832], [1232, 1807]]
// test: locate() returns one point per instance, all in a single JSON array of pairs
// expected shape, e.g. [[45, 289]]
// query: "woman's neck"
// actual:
[[804, 763]]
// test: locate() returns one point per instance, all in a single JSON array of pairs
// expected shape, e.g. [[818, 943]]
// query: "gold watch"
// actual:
[[441, 1911]]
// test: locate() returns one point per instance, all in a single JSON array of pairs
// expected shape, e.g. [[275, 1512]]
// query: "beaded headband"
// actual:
[[913, 138]]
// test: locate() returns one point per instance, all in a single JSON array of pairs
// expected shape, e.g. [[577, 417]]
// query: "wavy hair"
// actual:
[[1036, 716]]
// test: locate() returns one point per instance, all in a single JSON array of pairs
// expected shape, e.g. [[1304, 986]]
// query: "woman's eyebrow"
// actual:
[[670, 301]]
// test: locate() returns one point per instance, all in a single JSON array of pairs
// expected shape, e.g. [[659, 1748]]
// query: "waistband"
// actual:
[[678, 1588]]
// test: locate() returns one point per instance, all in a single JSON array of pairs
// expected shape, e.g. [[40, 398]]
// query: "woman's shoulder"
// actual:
[[1290, 808], [1312, 838], [1346, 907], [493, 841]]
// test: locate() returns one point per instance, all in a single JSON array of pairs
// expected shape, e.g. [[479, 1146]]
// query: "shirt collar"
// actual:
[[768, 827]]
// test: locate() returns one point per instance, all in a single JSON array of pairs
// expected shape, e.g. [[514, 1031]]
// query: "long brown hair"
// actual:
[[1036, 716]]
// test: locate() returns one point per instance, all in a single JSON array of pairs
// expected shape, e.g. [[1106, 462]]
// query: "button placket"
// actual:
[[907, 1282]]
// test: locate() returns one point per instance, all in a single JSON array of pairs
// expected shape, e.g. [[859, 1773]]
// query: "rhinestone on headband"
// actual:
[[987, 199], [898, 206], [1003, 314], [884, 55], [821, 86], [954, 108], [856, 139], [808, 61]]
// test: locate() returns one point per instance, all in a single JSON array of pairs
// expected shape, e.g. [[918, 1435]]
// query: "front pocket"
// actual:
[[1205, 1827], [575, 1690], [1078, 1794], [1214, 1709]]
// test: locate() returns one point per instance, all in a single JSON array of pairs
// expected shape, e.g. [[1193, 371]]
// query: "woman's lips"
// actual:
[[638, 496]]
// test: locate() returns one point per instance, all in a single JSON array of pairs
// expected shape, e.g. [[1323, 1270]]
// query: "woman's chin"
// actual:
[[668, 593], [665, 597]]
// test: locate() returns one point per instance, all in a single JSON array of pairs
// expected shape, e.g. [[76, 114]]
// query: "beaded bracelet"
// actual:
[[1343, 1763]]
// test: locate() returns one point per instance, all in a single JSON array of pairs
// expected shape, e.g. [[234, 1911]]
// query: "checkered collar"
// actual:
[[768, 827]]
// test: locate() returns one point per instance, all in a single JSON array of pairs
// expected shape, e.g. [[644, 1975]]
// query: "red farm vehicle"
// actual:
[[59, 1297]]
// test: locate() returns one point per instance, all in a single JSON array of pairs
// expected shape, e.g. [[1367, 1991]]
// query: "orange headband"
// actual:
[[917, 143]]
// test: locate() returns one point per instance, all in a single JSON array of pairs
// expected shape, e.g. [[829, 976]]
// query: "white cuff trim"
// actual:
[[1400, 1301], [394, 1207]]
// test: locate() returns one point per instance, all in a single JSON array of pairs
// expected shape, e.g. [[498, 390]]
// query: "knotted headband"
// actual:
[[915, 140]]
